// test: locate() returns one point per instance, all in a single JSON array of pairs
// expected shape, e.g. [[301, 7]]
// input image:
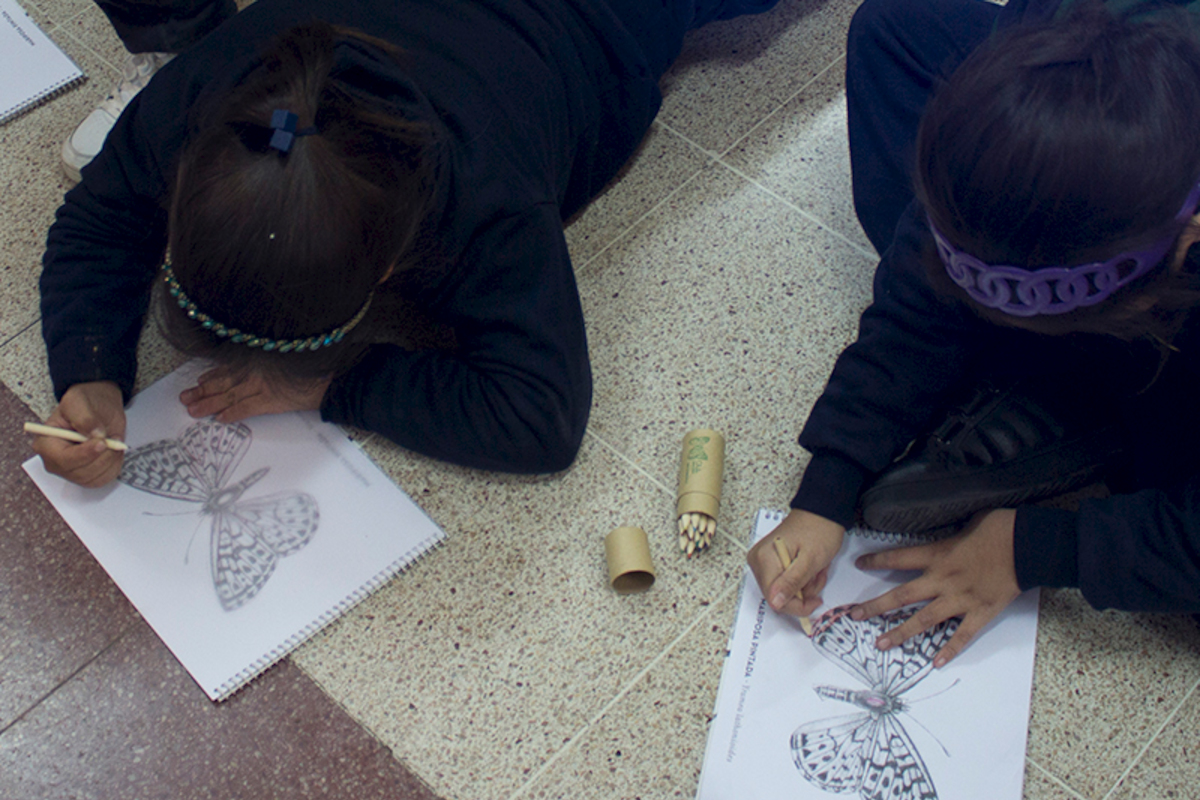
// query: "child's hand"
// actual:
[[95, 409], [218, 395], [812, 541], [970, 575]]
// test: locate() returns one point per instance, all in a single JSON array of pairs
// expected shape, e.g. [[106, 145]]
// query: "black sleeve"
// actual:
[[102, 251], [912, 350], [1135, 552], [516, 394]]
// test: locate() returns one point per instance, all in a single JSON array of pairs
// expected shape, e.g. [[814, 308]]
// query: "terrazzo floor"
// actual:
[[720, 277]]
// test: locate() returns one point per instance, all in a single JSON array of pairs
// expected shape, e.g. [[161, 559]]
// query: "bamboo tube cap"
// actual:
[[630, 568]]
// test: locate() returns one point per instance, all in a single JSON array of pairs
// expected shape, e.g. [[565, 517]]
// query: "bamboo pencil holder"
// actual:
[[698, 500]]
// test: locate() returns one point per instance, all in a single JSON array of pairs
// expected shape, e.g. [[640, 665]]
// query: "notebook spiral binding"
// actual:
[[273, 656], [14, 111], [27, 48]]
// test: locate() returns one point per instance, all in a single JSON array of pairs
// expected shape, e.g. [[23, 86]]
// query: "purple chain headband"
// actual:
[[1052, 290]]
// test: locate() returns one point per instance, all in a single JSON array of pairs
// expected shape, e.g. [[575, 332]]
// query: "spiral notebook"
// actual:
[[32, 67], [238, 542], [833, 716]]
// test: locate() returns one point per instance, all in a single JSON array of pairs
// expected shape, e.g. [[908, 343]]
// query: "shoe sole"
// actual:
[[921, 506]]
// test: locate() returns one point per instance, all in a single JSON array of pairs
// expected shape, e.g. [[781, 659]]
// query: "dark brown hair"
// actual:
[[1067, 143], [289, 245]]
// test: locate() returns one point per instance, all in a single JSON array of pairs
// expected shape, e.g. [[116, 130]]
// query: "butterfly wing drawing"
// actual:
[[832, 752], [251, 537], [193, 467], [851, 645], [869, 753], [216, 449], [248, 536], [894, 769]]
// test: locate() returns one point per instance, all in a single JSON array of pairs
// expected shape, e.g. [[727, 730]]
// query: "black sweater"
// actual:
[[535, 104], [1139, 550]]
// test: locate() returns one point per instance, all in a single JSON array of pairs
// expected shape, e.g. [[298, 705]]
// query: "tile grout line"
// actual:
[[629, 686], [664, 489], [1150, 743], [1054, 778], [719, 155], [67, 679], [720, 161], [20, 333], [642, 218], [807, 215], [61, 26], [833, 62]]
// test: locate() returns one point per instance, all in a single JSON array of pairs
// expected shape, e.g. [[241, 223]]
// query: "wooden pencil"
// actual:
[[70, 436], [786, 561]]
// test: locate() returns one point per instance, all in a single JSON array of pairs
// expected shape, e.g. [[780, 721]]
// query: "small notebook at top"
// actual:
[[32, 67], [238, 542]]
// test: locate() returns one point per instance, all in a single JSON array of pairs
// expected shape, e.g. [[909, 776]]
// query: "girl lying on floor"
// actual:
[[313, 176]]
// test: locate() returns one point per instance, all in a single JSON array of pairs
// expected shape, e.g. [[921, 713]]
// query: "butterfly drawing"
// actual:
[[248, 536], [870, 752]]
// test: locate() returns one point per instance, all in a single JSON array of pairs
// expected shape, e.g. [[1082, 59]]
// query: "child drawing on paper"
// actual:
[[248, 536], [869, 753], [1030, 175], [363, 205]]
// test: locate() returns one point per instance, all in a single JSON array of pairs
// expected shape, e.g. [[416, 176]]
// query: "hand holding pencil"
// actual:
[[94, 411], [792, 573]]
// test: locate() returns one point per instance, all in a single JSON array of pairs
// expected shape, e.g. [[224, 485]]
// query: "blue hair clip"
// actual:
[[283, 122]]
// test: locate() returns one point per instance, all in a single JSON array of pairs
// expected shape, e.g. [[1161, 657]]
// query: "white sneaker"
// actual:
[[84, 144]]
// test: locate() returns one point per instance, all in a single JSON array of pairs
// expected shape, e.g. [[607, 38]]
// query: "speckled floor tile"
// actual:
[[31, 179], [23, 366], [492, 652], [1103, 685], [1170, 769], [134, 725], [487, 666], [650, 743], [662, 164], [23, 370], [58, 609], [801, 152], [58, 10], [90, 27], [723, 309], [731, 74], [1040, 785]]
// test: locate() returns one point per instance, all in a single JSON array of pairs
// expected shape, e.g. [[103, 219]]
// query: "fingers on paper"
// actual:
[[975, 616], [901, 558], [228, 399], [218, 394]]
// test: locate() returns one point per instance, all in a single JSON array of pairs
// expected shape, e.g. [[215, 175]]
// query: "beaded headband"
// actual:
[[250, 340], [1053, 290]]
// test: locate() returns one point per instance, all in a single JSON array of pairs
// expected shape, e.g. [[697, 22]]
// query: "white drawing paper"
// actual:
[[32, 67], [237, 542], [814, 719]]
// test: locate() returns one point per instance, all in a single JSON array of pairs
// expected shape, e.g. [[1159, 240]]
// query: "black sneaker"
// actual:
[[1005, 446]]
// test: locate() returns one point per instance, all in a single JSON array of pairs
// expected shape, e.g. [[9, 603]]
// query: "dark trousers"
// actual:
[[896, 53], [164, 26], [660, 25]]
